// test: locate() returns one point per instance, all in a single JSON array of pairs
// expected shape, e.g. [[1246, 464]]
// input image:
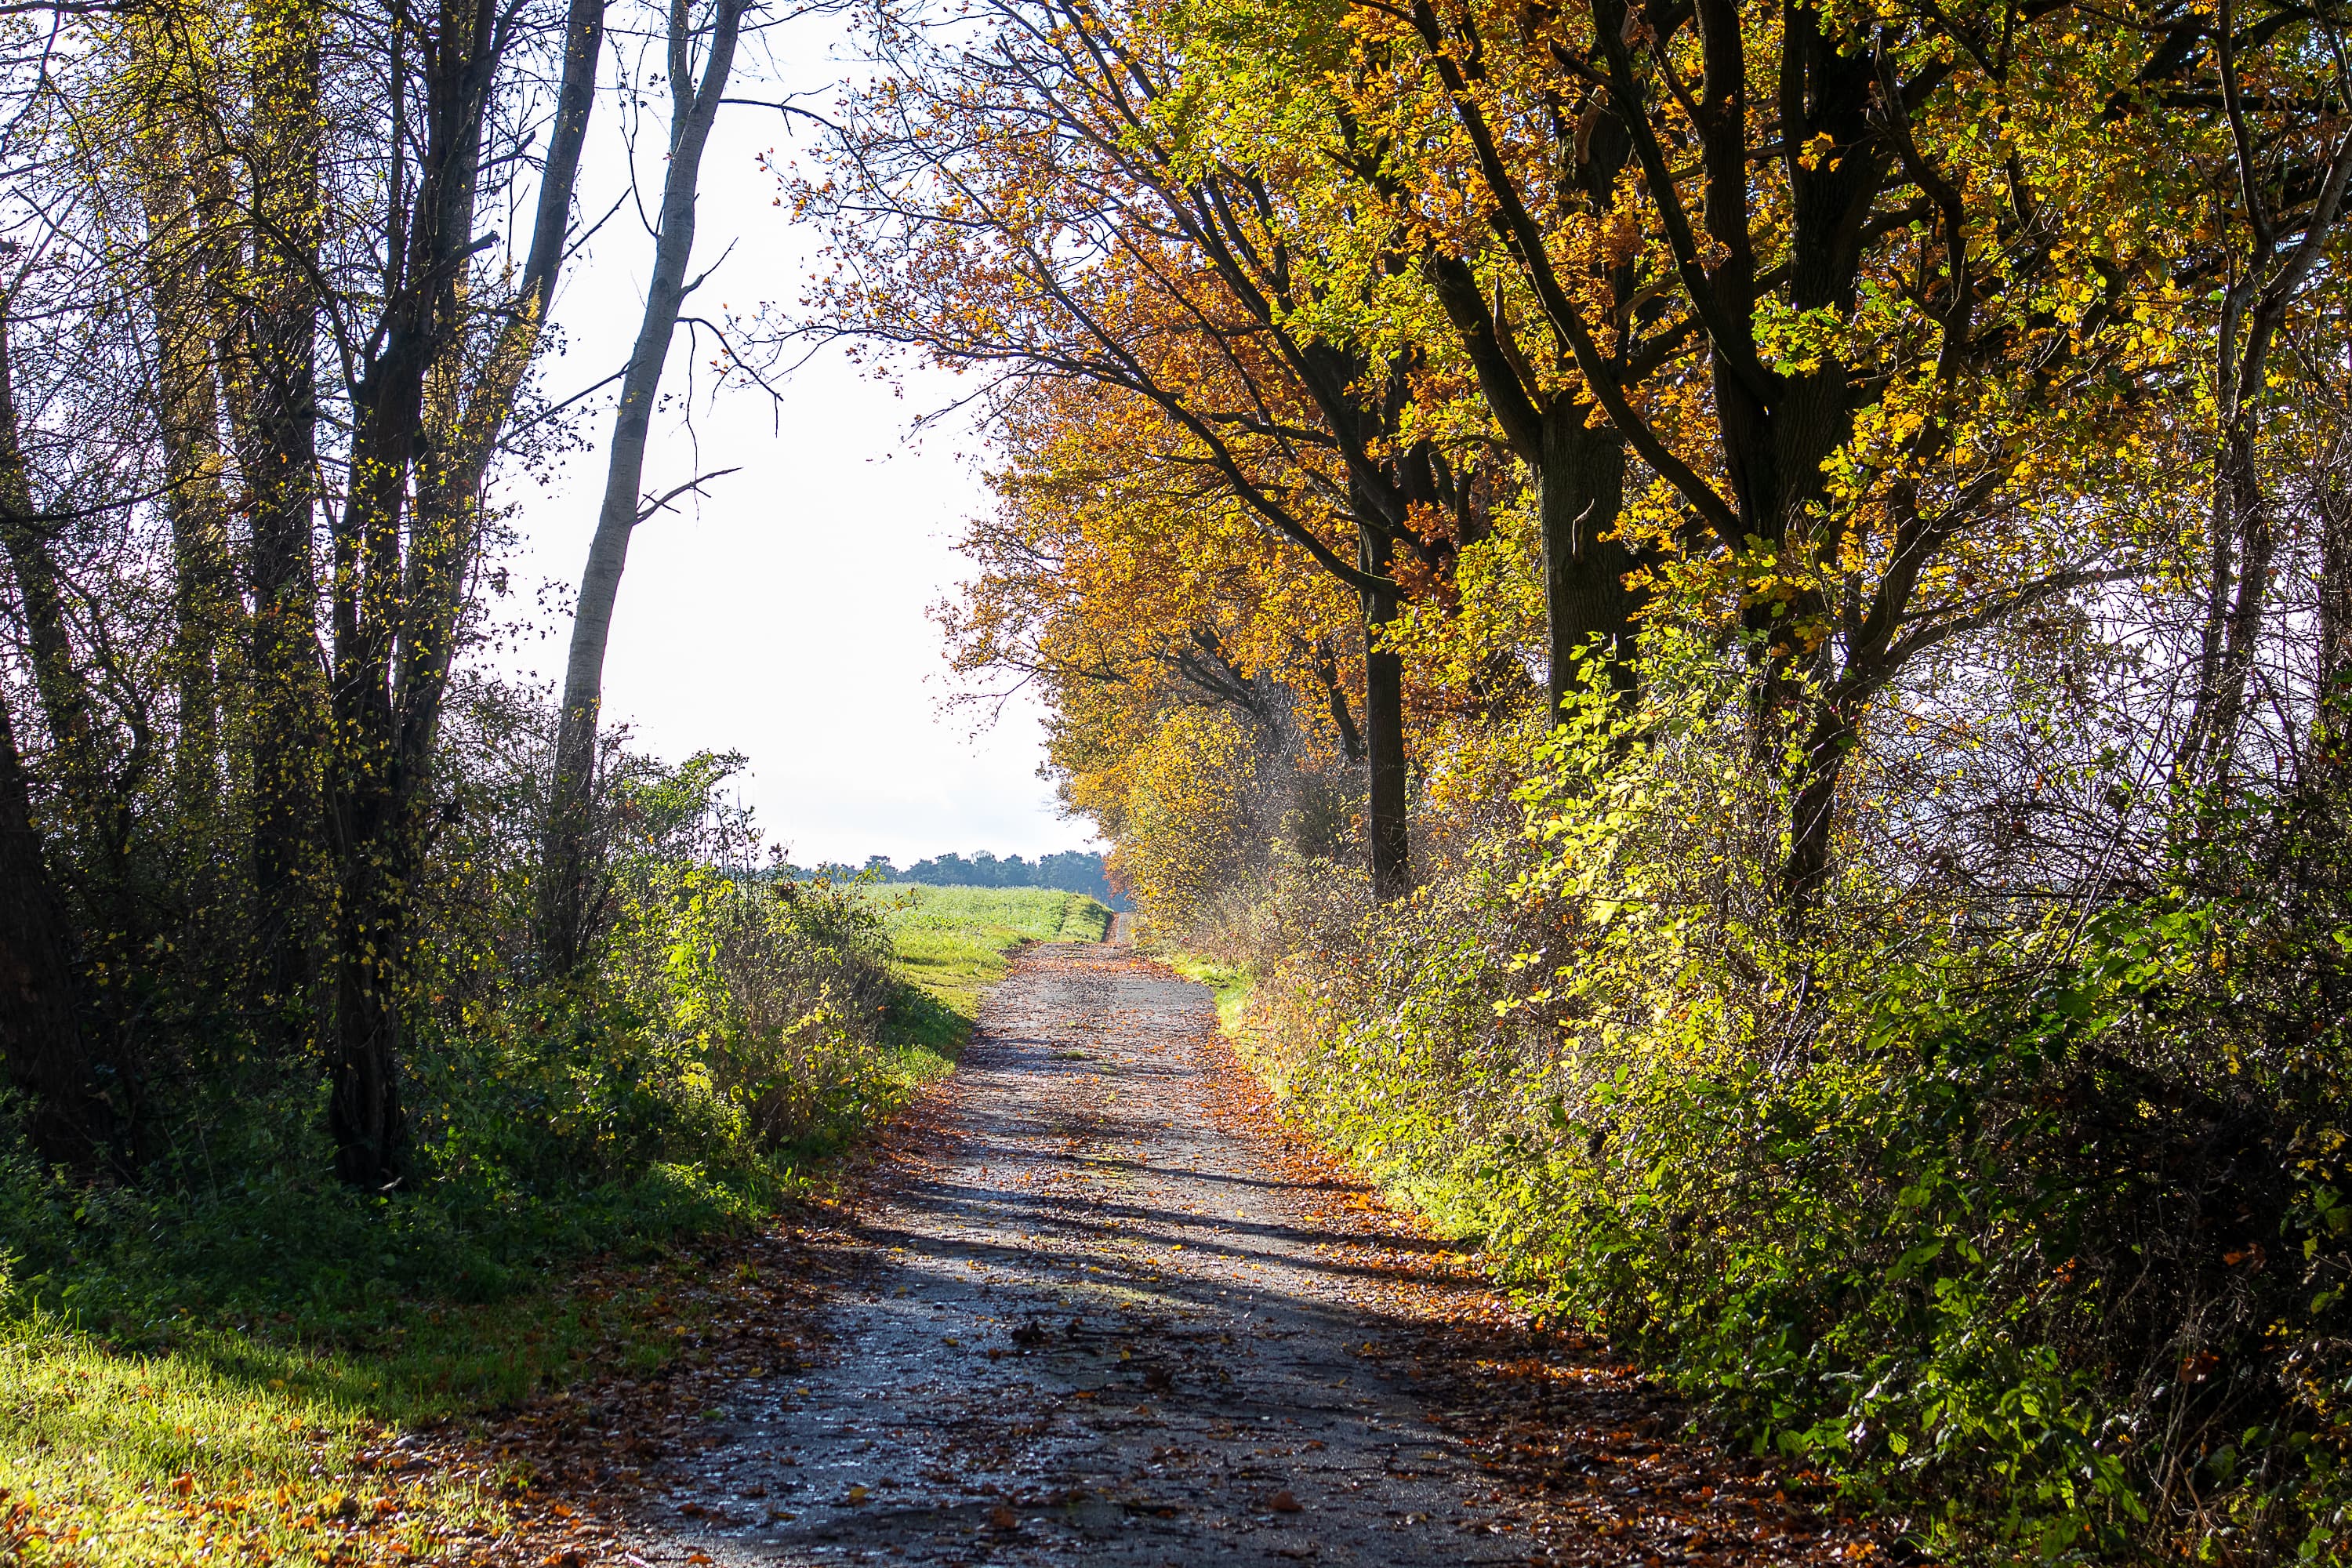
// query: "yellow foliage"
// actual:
[[1185, 811]]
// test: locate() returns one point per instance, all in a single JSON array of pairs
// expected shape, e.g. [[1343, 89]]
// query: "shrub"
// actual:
[[2024, 1220], [732, 1028]]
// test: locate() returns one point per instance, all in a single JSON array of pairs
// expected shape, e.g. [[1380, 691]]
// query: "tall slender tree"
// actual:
[[2290, 188], [427, 408], [273, 379], [43, 1050], [568, 878]]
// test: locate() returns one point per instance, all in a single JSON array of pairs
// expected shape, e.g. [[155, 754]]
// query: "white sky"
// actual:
[[785, 616]]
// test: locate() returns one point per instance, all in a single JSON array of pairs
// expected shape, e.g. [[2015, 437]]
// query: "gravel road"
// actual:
[[1095, 1307]]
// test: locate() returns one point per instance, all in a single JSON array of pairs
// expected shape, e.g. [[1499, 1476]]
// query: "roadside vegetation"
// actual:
[[1232, 983]]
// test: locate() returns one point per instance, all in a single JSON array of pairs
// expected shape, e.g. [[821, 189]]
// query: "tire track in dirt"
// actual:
[[1094, 1304]]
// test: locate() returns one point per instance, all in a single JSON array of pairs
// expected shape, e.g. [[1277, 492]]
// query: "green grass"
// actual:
[[251, 1442], [1231, 988], [955, 942], [193, 1432]]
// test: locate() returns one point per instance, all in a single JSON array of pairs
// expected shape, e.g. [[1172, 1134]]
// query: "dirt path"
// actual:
[[1095, 1307]]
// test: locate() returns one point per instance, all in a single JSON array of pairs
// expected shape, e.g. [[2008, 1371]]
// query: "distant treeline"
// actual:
[[1073, 871]]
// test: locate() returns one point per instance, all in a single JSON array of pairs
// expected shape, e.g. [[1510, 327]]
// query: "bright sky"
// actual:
[[785, 616]]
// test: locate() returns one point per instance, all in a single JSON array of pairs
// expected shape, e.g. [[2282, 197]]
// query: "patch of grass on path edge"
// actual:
[[1231, 988], [263, 1440], [256, 1443]]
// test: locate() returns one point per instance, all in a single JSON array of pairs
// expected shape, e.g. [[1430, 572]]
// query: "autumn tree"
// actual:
[[1924, 328], [1361, 142], [1121, 583], [1033, 207]]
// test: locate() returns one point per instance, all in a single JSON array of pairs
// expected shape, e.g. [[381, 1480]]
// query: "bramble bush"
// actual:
[[2023, 1221]]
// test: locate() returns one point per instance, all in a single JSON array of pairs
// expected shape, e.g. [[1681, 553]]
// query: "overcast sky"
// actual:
[[785, 617]]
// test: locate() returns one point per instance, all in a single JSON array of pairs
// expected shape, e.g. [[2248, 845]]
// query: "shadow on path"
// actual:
[[1099, 1311]]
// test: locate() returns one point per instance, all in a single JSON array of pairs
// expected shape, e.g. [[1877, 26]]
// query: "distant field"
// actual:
[[953, 942]]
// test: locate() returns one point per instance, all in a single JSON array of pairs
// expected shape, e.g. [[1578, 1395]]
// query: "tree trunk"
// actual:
[[26, 539], [183, 259], [2334, 675], [1327, 669], [1588, 610], [373, 859], [400, 569], [397, 610], [466, 431], [1385, 817], [2237, 588], [42, 1048], [2245, 540], [1580, 473], [566, 879], [370, 939], [278, 366], [1813, 811]]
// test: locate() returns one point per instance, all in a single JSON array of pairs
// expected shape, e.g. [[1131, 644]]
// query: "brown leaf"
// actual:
[[1283, 1502]]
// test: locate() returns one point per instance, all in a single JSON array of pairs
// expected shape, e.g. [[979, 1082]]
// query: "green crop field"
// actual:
[[955, 942]]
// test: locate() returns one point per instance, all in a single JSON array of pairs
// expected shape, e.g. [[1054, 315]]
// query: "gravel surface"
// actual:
[[1096, 1306]]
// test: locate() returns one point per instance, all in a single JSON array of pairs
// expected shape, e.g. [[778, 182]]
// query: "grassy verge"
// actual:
[[193, 1431], [270, 1443], [1231, 988]]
